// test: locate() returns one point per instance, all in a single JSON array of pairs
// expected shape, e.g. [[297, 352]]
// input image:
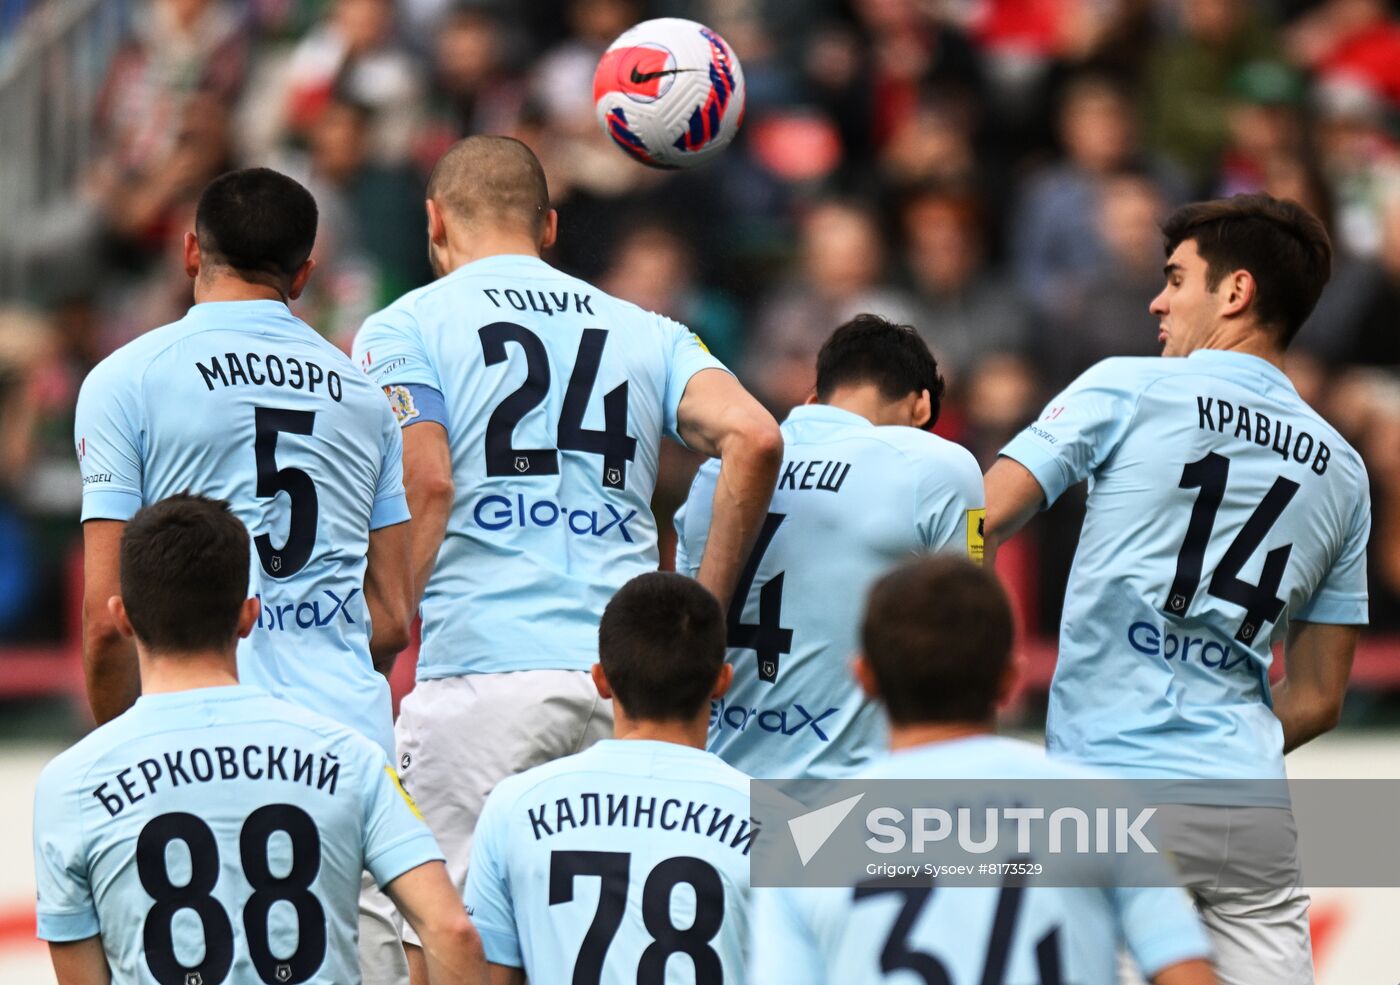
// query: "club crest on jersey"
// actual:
[[401, 403], [194, 978], [283, 973], [614, 477], [522, 464]]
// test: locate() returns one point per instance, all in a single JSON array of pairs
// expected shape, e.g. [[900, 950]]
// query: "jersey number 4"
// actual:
[[195, 894], [767, 638], [612, 872], [613, 442], [1260, 602]]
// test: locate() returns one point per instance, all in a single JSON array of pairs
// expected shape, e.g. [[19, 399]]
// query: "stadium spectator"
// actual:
[[841, 273], [1187, 85]]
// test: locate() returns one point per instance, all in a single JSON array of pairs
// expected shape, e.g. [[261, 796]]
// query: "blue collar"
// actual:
[[827, 414], [1243, 360]]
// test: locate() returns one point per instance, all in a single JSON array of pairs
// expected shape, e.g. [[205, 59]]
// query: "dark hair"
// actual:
[[258, 222], [661, 644], [871, 349], [937, 635], [184, 574], [1284, 247]]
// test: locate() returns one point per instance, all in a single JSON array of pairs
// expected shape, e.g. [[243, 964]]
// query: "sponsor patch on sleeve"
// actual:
[[403, 793], [401, 403], [976, 545]]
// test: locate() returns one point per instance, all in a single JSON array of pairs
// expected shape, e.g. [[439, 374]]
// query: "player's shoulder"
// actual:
[[978, 757], [1130, 373], [923, 445], [126, 364]]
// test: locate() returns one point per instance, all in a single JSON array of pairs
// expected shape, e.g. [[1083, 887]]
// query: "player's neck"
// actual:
[[691, 734], [929, 733], [226, 287], [867, 401], [166, 673], [462, 249], [1251, 342]]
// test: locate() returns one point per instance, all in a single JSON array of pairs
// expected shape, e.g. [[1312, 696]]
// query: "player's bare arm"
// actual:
[[718, 417], [1013, 497], [80, 962], [1317, 663], [109, 659], [1196, 972], [387, 594], [451, 945], [427, 481], [502, 974]]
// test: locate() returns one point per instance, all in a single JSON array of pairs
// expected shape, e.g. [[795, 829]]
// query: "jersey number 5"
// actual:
[[291, 557], [1260, 602], [613, 442]]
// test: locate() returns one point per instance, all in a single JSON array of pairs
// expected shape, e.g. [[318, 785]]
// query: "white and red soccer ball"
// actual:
[[670, 93]]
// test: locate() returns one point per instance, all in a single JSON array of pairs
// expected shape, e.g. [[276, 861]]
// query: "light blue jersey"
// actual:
[[960, 935], [242, 401], [626, 863], [554, 397], [1220, 506], [218, 835], [852, 500]]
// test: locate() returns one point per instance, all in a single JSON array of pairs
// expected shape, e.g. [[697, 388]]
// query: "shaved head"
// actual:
[[491, 182]]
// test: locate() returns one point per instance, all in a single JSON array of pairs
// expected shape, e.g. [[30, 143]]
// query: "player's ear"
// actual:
[[811, 397], [248, 616], [1238, 292], [117, 608], [550, 232], [722, 682], [437, 226], [600, 681], [300, 278], [922, 413], [865, 677], [192, 257]]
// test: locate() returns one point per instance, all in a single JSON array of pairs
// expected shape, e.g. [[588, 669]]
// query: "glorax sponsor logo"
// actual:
[[317, 613], [1156, 641], [499, 512], [784, 721]]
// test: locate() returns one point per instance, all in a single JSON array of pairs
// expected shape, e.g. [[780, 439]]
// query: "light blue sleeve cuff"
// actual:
[[110, 504], [407, 853], [62, 927], [501, 946], [1161, 952], [389, 511], [1042, 463], [1336, 610]]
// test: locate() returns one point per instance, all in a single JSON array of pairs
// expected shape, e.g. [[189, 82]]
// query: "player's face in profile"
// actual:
[[1186, 308]]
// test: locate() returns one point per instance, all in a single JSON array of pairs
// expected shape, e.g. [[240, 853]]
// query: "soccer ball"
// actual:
[[670, 93]]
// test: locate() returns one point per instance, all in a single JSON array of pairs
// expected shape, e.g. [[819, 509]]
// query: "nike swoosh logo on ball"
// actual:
[[639, 77]]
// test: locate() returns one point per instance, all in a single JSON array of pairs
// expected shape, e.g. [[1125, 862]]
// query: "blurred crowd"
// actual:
[[989, 171]]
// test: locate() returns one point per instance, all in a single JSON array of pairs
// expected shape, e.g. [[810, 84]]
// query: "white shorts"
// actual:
[[1259, 931], [457, 737]]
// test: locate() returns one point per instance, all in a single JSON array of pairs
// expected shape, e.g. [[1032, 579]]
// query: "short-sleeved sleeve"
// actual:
[[784, 947], [389, 348], [692, 520], [487, 895], [687, 356], [395, 837], [1079, 429], [951, 503], [1341, 599], [66, 909], [390, 502], [1160, 927], [107, 433]]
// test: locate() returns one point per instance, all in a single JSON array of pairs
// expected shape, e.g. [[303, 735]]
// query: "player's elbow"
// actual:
[[1327, 712], [100, 633], [452, 932], [432, 493], [759, 442], [391, 637]]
